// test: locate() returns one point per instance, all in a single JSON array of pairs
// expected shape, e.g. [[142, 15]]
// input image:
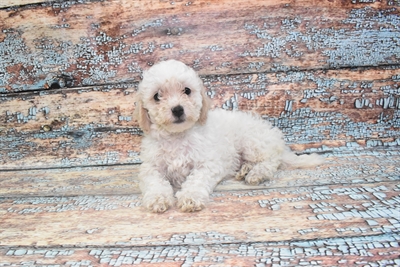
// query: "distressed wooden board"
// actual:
[[92, 125], [379, 250], [111, 41], [372, 91], [11, 3], [107, 180], [366, 166], [105, 107], [276, 214], [65, 149]]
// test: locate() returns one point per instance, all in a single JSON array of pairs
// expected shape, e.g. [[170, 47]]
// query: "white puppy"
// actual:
[[188, 149]]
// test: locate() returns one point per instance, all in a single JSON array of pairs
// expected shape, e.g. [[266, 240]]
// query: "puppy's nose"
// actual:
[[177, 111]]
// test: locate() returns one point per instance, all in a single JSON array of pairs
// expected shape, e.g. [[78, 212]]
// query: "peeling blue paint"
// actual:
[[340, 47]]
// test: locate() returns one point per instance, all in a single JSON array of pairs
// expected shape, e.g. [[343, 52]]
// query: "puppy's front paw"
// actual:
[[190, 202], [157, 203]]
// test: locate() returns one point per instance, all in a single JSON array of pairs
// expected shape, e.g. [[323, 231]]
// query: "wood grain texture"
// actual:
[[85, 42], [12, 3], [338, 254], [319, 212], [123, 180], [344, 251], [96, 125]]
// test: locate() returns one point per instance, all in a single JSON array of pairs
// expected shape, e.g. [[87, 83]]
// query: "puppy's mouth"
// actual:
[[179, 120]]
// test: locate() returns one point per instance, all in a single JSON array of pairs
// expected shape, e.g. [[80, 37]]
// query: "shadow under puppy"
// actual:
[[188, 149]]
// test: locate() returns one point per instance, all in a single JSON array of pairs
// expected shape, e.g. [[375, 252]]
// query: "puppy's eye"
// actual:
[[187, 90], [156, 97]]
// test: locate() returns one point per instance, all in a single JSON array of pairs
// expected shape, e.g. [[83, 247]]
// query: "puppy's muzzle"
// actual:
[[179, 113]]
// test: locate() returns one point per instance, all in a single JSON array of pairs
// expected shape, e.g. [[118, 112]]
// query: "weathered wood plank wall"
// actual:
[[326, 72], [216, 37]]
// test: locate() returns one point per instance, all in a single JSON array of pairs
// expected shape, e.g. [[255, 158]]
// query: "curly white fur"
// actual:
[[188, 149]]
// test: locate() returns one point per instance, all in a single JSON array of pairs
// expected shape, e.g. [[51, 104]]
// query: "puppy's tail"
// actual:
[[292, 161]]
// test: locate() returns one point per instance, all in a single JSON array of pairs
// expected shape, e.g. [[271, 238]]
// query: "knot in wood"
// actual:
[[57, 81], [174, 31], [46, 128]]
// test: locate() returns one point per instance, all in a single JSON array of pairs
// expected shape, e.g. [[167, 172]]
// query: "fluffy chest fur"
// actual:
[[176, 155], [177, 161]]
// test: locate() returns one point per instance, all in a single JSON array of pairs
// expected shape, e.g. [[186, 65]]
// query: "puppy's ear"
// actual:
[[142, 116], [206, 105]]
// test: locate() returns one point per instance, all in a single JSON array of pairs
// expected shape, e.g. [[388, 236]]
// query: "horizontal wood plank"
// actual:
[[371, 91], [81, 181], [343, 251], [13, 3], [317, 212], [111, 41], [122, 180], [93, 125]]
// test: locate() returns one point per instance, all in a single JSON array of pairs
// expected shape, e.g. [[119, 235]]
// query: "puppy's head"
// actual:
[[172, 97]]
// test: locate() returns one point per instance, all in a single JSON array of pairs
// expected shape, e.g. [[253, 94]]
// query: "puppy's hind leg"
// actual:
[[262, 171], [260, 162], [244, 170]]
